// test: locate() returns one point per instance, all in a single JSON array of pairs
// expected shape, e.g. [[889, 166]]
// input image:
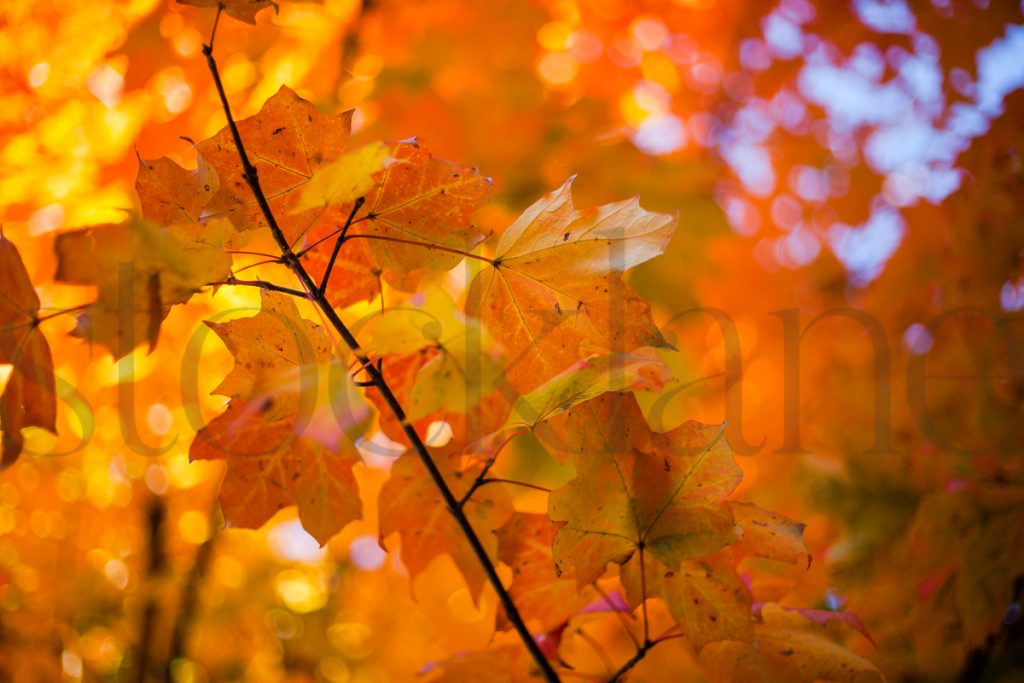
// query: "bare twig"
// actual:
[[261, 284]]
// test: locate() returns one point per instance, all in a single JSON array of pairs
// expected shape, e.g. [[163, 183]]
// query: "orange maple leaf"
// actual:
[[286, 141], [412, 506], [425, 200], [274, 457], [556, 284]]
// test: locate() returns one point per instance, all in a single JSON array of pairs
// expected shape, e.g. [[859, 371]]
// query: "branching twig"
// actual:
[[337, 244], [291, 260]]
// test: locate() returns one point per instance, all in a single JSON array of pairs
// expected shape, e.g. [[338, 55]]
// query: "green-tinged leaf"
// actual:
[[785, 652], [635, 489], [588, 379], [140, 270], [708, 600]]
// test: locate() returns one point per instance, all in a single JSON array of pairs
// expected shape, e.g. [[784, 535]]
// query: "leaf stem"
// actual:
[[426, 245], [643, 595], [498, 480], [389, 238], [622, 617], [291, 260], [481, 478], [337, 244], [596, 647]]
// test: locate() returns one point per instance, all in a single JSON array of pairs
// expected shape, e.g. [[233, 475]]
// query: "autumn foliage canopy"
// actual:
[[289, 395]]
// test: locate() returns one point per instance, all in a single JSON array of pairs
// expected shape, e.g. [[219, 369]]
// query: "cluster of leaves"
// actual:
[[547, 338]]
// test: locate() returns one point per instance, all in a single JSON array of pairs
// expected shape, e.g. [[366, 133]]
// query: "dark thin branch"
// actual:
[[337, 244], [157, 564], [429, 246], [482, 478], [633, 661], [216, 20], [291, 260], [36, 320], [479, 481], [232, 280], [256, 265]]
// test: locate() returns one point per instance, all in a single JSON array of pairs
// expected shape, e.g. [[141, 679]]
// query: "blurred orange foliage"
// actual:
[[844, 289]]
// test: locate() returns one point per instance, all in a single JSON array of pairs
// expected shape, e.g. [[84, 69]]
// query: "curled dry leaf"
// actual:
[[28, 399]]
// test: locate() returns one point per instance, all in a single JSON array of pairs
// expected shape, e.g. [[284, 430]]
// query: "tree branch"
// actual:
[[337, 244], [633, 661], [261, 284], [291, 260]]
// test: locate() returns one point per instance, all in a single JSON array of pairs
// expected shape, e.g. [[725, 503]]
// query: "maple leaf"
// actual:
[[785, 652], [271, 465], [287, 141], [243, 10], [442, 367], [635, 489], [28, 399], [268, 346], [524, 544], [411, 505], [425, 200], [170, 194], [769, 534], [556, 283], [140, 270], [587, 379], [706, 597], [273, 459]]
